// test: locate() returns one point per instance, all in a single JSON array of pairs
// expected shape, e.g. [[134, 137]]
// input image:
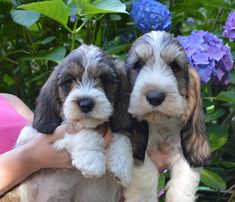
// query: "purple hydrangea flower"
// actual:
[[150, 15], [208, 55], [229, 28]]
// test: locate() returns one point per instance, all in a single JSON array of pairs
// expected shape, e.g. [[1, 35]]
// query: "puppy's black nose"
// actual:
[[86, 104], [155, 98]]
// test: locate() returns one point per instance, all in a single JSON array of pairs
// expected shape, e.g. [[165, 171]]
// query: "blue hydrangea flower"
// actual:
[[73, 18], [127, 36], [150, 15], [229, 28], [208, 55]]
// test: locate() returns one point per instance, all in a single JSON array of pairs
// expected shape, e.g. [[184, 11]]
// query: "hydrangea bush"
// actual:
[[208, 55], [34, 38]]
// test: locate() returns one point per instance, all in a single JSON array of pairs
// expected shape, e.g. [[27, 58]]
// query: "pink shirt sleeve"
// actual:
[[11, 123]]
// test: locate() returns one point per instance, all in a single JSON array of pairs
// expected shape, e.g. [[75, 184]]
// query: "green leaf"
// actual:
[[203, 188], [55, 9], [47, 40], [73, 10], [217, 136], [8, 79], [117, 49], [56, 55], [212, 179], [216, 3], [229, 164], [115, 17], [102, 6], [25, 18], [228, 96], [161, 182], [214, 115]]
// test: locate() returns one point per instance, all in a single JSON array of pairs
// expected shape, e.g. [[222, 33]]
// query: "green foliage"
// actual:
[[54, 9], [218, 136], [36, 36], [25, 18], [100, 7], [213, 180]]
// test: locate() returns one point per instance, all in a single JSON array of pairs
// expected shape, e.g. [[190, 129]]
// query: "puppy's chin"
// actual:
[[86, 123], [155, 117]]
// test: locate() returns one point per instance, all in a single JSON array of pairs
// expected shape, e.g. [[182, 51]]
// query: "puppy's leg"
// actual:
[[184, 180], [120, 159], [26, 134], [87, 152], [143, 187]]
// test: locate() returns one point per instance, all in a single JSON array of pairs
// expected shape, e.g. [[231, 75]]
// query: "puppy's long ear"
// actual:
[[47, 113], [121, 120], [139, 140], [194, 139]]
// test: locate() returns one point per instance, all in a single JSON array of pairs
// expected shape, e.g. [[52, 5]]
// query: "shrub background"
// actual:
[[32, 43]]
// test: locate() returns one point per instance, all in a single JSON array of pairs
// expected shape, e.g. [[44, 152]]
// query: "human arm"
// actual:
[[18, 105], [39, 153], [17, 164]]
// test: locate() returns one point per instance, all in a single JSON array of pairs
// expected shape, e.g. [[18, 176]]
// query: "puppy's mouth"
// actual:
[[156, 116]]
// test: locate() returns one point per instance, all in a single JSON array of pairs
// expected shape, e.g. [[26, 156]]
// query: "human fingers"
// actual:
[[61, 130], [160, 159], [164, 148]]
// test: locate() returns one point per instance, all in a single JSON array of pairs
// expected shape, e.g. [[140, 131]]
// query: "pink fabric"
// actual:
[[11, 124]]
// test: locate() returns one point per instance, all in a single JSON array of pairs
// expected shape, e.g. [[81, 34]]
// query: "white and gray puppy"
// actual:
[[166, 94], [87, 89]]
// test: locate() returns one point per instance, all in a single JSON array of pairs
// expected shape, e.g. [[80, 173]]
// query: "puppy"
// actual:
[[166, 94], [87, 89]]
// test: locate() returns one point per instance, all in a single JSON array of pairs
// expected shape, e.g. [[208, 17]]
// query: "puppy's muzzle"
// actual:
[[86, 104], [155, 98]]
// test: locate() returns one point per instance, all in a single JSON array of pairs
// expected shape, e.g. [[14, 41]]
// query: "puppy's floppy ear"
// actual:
[[47, 112], [139, 140], [194, 139], [121, 119]]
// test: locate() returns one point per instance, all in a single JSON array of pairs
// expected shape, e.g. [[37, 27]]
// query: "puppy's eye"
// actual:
[[66, 81], [138, 65], [175, 67]]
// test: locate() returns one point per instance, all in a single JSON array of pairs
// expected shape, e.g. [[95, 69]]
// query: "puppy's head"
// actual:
[[158, 71], [164, 87], [83, 88]]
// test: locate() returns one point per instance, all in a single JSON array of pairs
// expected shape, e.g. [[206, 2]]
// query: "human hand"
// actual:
[[160, 156], [42, 154], [107, 134]]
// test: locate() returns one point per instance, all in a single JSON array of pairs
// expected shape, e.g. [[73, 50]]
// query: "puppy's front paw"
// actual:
[[175, 195], [90, 163], [121, 170], [120, 160]]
